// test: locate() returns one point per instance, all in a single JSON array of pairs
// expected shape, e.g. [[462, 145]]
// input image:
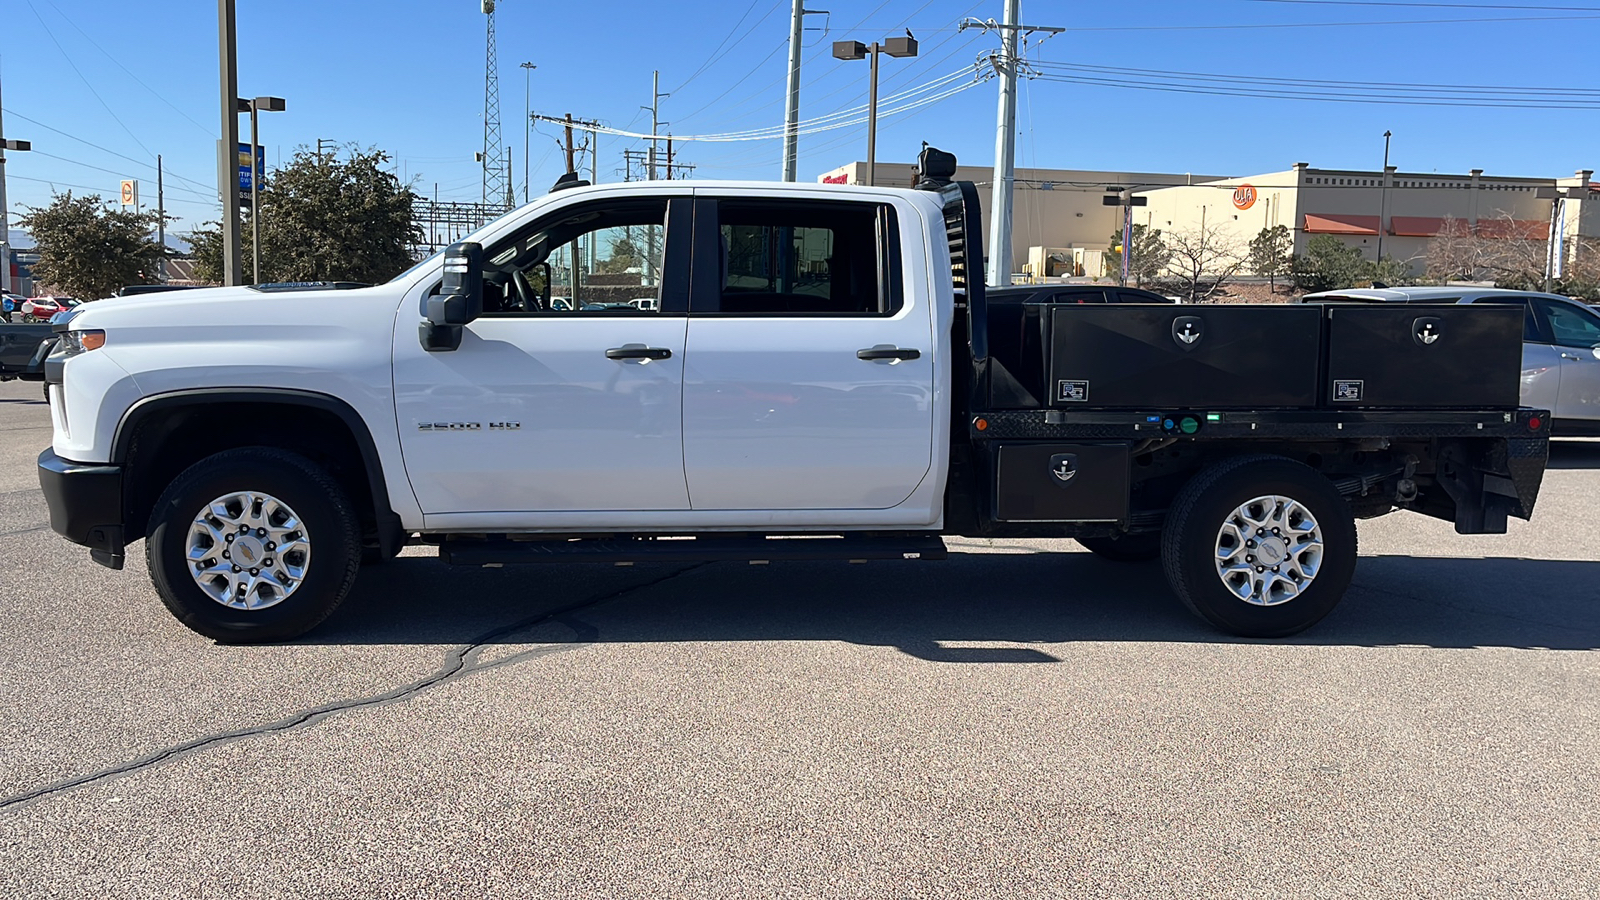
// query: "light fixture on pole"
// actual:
[[5, 222], [896, 46], [258, 105], [1383, 197], [527, 122]]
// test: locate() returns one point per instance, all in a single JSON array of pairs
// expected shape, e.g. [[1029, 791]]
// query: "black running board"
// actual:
[[700, 548]]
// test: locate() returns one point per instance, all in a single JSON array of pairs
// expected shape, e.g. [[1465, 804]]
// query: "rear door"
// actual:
[[1575, 335], [809, 369]]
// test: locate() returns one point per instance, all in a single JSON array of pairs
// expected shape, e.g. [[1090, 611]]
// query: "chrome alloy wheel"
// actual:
[[1269, 550], [248, 550]]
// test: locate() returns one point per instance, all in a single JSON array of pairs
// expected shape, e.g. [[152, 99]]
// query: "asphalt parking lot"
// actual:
[[1021, 720]]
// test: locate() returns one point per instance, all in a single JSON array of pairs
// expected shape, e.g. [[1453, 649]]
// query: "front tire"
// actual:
[[253, 545], [1260, 546]]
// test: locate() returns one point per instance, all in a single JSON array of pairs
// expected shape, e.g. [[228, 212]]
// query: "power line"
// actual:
[[90, 187], [1397, 3], [138, 162], [130, 74], [713, 58], [1424, 87], [107, 171], [824, 123], [76, 71], [1385, 24], [1182, 87]]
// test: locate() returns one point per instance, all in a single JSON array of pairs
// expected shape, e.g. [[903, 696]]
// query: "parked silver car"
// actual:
[[1560, 350]]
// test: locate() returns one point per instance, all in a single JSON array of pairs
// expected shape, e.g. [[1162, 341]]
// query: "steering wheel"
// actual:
[[525, 293]]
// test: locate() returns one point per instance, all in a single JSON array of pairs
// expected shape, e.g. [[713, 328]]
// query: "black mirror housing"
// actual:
[[463, 285], [459, 301]]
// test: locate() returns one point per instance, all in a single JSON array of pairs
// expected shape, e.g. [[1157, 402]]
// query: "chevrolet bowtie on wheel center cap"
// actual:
[[1269, 550], [248, 550]]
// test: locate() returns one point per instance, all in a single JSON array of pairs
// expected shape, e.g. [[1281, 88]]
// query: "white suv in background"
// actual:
[[1560, 349]]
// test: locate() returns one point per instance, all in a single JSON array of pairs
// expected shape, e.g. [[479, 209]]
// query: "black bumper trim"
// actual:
[[85, 501]]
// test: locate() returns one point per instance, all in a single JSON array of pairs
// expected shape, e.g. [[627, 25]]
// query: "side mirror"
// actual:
[[459, 301], [543, 285]]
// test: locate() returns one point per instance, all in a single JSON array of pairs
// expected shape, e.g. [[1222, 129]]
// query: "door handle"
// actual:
[[888, 353], [1571, 357], [638, 351]]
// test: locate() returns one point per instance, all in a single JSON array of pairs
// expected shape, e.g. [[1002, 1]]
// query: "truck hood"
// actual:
[[241, 307]]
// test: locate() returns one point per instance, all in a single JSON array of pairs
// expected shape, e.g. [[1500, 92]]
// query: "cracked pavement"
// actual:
[[1021, 720]]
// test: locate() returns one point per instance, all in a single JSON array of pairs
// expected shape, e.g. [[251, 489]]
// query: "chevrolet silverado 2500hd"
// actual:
[[817, 373]]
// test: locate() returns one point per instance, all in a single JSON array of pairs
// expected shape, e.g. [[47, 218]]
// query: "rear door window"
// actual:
[[807, 258], [1532, 330]]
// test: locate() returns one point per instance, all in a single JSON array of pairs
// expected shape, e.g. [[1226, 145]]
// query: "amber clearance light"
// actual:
[[92, 340]]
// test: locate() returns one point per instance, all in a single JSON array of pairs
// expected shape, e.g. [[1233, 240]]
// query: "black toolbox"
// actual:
[[1184, 356], [1429, 356], [1049, 482]]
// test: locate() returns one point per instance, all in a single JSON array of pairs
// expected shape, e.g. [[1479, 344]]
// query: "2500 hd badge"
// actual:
[[467, 426]]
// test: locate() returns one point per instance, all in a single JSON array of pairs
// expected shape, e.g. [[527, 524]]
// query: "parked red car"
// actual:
[[40, 309]]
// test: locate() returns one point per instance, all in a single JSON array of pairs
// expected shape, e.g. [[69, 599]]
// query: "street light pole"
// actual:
[[227, 177], [872, 120], [898, 47], [5, 220], [527, 123], [1383, 196], [269, 104]]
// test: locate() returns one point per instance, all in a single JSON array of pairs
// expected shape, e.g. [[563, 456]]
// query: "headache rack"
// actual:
[[964, 227]]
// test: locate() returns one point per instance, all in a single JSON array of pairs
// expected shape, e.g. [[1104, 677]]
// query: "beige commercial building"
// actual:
[[1397, 213], [1061, 227]]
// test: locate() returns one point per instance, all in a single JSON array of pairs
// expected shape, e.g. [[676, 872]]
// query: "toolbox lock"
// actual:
[[1064, 468], [1426, 330]]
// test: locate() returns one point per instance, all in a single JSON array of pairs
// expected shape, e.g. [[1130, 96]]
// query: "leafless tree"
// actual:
[[1457, 253], [1204, 260]]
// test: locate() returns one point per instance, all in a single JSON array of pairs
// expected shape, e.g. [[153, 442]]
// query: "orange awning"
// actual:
[[1328, 223]]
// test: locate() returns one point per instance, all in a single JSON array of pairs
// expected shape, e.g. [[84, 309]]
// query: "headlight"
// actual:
[[75, 342]]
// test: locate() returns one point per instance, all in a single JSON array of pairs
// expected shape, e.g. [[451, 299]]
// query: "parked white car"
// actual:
[[1560, 350]]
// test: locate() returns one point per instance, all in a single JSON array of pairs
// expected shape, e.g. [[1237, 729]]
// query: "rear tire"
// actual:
[[1226, 562], [254, 497], [1127, 548]]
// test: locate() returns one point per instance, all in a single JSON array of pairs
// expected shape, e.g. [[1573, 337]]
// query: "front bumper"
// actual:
[[85, 501]]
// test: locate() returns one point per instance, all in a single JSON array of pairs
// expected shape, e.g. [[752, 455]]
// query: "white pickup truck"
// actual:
[[761, 372]]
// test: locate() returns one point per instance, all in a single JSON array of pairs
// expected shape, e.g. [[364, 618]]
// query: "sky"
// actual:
[[102, 87]]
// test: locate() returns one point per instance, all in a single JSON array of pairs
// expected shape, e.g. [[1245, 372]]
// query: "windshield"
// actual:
[[417, 265]]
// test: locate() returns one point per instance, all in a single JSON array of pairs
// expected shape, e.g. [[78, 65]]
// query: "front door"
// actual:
[[809, 381], [565, 394]]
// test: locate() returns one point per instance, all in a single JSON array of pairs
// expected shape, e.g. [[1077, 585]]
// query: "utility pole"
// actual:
[[227, 160], [570, 163], [1005, 152], [1005, 145], [161, 223], [655, 118], [791, 106], [527, 123]]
